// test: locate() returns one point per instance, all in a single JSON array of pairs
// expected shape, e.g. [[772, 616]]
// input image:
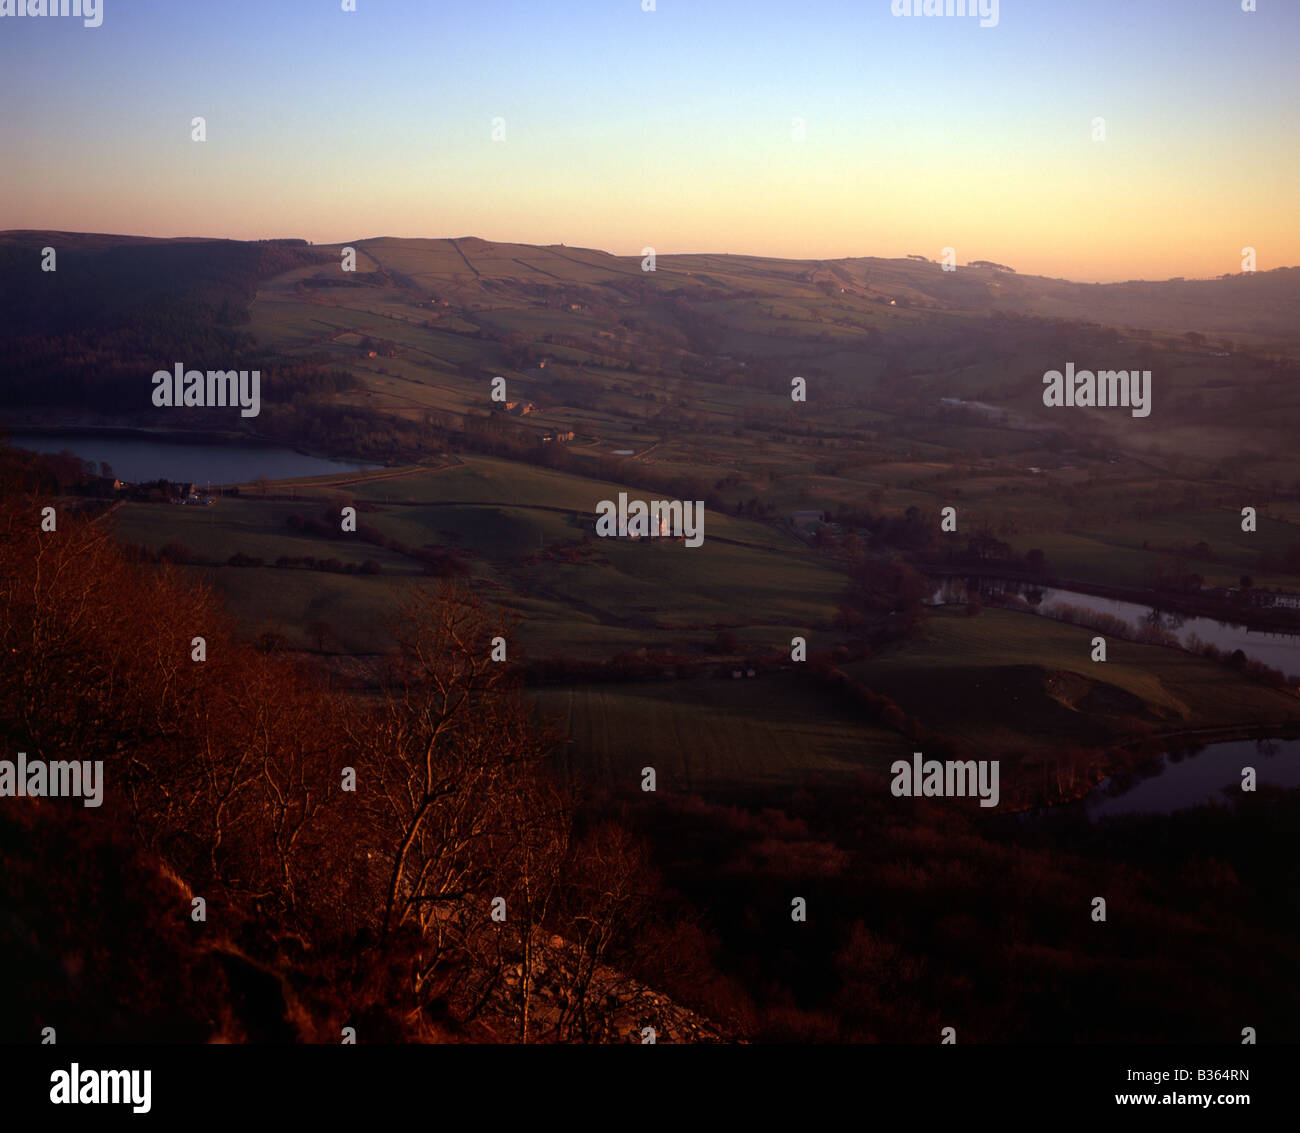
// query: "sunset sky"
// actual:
[[673, 128]]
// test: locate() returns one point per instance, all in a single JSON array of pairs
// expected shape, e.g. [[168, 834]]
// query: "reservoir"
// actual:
[[137, 460]]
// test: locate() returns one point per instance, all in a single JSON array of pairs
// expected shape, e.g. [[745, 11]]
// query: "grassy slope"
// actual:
[[714, 732], [1008, 680]]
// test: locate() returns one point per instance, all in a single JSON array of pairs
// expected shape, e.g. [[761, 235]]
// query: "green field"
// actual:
[[1010, 681], [1116, 556], [504, 520], [714, 732]]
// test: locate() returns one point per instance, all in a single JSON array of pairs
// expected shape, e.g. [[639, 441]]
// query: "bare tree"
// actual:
[[450, 747]]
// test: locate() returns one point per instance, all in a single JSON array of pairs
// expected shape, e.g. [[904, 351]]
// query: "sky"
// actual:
[[815, 129]]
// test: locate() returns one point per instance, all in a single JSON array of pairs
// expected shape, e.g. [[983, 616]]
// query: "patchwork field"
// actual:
[[521, 534], [923, 392]]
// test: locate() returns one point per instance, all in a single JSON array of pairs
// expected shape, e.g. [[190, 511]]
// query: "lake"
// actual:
[[138, 460]]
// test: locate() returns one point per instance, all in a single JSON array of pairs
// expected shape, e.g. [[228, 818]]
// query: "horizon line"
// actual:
[[905, 258]]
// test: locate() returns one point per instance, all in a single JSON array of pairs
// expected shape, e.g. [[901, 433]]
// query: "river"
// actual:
[[1276, 650], [1188, 780], [139, 460]]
